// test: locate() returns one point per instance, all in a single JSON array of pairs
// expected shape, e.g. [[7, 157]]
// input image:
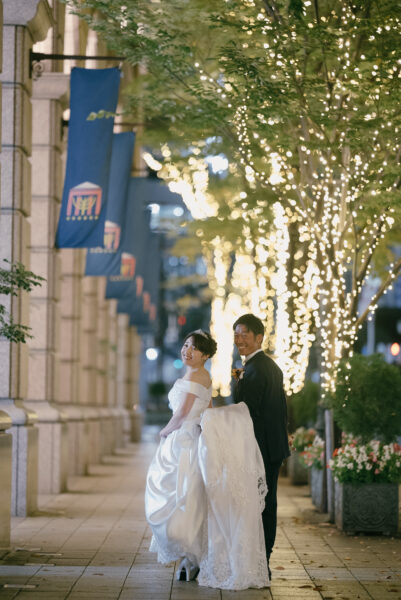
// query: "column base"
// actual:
[[24, 491], [52, 448], [5, 488]]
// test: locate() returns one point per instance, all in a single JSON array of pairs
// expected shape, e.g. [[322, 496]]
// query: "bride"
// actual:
[[206, 484]]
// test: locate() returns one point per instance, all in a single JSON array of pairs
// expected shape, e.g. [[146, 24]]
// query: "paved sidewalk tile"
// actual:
[[92, 544]]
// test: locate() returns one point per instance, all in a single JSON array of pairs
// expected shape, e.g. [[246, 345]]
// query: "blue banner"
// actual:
[[152, 277], [84, 203], [132, 255], [106, 260], [142, 307]]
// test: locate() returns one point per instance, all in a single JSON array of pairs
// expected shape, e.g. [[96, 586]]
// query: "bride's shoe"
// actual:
[[186, 571]]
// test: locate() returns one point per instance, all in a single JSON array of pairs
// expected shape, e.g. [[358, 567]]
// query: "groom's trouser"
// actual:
[[269, 515]]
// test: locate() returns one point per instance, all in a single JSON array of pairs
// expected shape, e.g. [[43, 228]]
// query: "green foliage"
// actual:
[[313, 455], [304, 405], [316, 84], [373, 462], [303, 438], [157, 388], [12, 280], [322, 76], [367, 400]]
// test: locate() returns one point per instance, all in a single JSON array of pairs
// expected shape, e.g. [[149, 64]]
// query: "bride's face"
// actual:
[[190, 355]]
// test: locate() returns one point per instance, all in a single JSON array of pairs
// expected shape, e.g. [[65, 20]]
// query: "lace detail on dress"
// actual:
[[229, 466], [235, 556], [175, 503], [218, 571], [164, 555]]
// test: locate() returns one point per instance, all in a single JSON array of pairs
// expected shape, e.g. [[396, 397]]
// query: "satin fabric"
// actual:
[[234, 555], [175, 501], [205, 493]]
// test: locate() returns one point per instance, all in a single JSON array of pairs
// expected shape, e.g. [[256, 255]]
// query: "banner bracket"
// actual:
[[35, 59]]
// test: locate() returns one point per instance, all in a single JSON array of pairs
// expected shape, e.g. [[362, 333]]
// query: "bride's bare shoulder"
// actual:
[[201, 377]]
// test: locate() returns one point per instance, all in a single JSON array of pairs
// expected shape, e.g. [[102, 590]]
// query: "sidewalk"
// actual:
[[92, 543]]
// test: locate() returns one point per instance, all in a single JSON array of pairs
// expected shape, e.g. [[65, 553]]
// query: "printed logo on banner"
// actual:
[[146, 301], [127, 268], [139, 285], [84, 202], [112, 234], [127, 265]]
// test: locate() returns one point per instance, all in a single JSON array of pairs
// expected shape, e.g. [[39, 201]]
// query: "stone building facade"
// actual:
[[66, 397]]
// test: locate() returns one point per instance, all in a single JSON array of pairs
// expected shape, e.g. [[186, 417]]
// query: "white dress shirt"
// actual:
[[246, 358]]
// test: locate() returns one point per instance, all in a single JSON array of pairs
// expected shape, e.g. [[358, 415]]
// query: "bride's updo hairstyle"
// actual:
[[203, 342]]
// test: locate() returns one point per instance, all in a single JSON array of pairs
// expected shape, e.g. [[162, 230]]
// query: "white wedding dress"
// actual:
[[205, 493]]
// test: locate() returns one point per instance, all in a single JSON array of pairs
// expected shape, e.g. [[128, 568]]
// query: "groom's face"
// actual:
[[246, 341]]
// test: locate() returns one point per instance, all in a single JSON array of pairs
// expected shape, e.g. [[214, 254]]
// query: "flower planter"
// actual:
[[366, 507], [318, 489], [297, 471]]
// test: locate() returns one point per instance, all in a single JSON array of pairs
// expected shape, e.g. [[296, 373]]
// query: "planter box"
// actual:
[[366, 507], [318, 484], [297, 471]]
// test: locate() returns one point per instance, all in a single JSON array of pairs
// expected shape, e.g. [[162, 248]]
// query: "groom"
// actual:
[[260, 386]]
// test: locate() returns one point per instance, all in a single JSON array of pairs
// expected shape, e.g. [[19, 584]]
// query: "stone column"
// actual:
[[112, 372], [48, 100], [25, 21], [128, 379], [132, 404], [88, 389], [104, 401], [123, 343], [71, 298]]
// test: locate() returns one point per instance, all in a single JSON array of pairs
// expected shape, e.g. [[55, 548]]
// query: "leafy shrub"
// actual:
[[13, 278], [157, 388], [373, 462], [304, 405], [303, 438], [314, 455], [367, 400]]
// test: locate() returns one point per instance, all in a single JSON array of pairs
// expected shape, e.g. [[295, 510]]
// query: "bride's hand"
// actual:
[[163, 433]]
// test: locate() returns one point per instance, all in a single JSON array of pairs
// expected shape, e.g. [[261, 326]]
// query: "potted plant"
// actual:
[[367, 465], [314, 459], [297, 469], [303, 406], [366, 480], [302, 416], [157, 410]]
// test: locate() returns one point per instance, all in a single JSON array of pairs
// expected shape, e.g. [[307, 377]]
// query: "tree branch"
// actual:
[[390, 278]]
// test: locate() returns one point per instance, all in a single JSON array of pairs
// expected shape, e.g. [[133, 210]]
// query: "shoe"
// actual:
[[186, 571]]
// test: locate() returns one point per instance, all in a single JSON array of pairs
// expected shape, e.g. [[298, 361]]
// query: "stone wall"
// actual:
[[66, 397]]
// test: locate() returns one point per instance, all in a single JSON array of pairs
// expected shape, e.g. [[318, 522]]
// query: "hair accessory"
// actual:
[[200, 332]]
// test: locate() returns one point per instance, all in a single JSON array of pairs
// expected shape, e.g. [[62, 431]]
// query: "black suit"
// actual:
[[261, 388]]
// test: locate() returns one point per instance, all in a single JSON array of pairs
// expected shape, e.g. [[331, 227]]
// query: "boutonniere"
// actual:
[[237, 374]]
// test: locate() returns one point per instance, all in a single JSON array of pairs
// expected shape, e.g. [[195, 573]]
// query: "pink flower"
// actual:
[[377, 471]]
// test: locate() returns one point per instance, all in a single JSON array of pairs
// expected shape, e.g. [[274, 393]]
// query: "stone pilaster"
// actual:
[[103, 401], [127, 376], [122, 363], [48, 100], [133, 395], [88, 388], [71, 298], [25, 21]]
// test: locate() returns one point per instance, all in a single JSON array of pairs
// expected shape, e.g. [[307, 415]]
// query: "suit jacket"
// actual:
[[261, 388]]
